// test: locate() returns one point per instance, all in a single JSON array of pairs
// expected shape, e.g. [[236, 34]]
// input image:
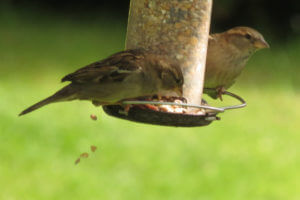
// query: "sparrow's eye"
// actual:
[[248, 36]]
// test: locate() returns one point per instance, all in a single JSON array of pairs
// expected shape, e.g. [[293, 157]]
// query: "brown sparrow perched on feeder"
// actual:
[[227, 55], [124, 75]]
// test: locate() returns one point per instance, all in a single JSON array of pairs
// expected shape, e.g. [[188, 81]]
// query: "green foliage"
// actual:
[[250, 154]]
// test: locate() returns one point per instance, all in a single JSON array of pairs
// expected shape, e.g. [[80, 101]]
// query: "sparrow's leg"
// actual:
[[220, 91], [127, 108]]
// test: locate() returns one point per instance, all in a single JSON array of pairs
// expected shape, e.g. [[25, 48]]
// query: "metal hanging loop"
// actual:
[[206, 108]]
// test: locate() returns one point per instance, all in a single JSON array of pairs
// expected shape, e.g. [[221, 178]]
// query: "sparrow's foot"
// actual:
[[125, 110], [220, 91]]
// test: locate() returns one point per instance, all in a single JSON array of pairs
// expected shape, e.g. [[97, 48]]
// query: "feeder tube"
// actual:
[[178, 29]]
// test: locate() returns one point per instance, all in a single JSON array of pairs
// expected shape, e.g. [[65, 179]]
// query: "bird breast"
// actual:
[[224, 64]]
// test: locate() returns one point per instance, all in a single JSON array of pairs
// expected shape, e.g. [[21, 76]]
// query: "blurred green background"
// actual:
[[252, 153]]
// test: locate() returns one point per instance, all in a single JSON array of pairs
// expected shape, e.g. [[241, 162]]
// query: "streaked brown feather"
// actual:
[[115, 67]]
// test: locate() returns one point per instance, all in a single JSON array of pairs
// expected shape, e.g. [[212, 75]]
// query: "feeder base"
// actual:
[[148, 116]]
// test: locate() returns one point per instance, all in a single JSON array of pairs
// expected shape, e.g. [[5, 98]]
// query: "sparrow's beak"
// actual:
[[179, 91], [261, 44]]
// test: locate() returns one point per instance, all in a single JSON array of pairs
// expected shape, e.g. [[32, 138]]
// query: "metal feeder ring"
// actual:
[[149, 116]]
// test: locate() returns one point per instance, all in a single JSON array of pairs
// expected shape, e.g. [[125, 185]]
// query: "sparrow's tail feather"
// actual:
[[67, 93]]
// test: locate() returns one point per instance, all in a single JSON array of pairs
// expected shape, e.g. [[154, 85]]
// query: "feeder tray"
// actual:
[[149, 116]]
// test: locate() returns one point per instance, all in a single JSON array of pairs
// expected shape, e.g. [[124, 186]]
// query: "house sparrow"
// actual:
[[124, 75], [227, 55]]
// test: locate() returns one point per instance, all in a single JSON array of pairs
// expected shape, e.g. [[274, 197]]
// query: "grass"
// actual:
[[251, 154]]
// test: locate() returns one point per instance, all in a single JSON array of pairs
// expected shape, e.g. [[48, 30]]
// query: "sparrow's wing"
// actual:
[[115, 68]]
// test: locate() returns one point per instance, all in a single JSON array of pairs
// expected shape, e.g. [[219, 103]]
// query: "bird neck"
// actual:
[[232, 52]]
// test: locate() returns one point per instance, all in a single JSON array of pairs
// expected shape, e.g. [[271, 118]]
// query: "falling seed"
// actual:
[[77, 161], [84, 155], [94, 117], [93, 148]]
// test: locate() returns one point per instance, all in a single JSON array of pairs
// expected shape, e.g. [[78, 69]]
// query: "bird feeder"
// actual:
[[178, 29]]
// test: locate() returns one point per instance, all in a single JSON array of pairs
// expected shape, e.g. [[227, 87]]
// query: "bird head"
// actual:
[[246, 39], [172, 78]]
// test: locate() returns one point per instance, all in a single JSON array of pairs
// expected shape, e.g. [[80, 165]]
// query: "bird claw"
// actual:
[[125, 110], [220, 91]]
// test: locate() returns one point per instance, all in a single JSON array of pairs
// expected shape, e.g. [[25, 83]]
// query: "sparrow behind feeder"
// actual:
[[227, 55]]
